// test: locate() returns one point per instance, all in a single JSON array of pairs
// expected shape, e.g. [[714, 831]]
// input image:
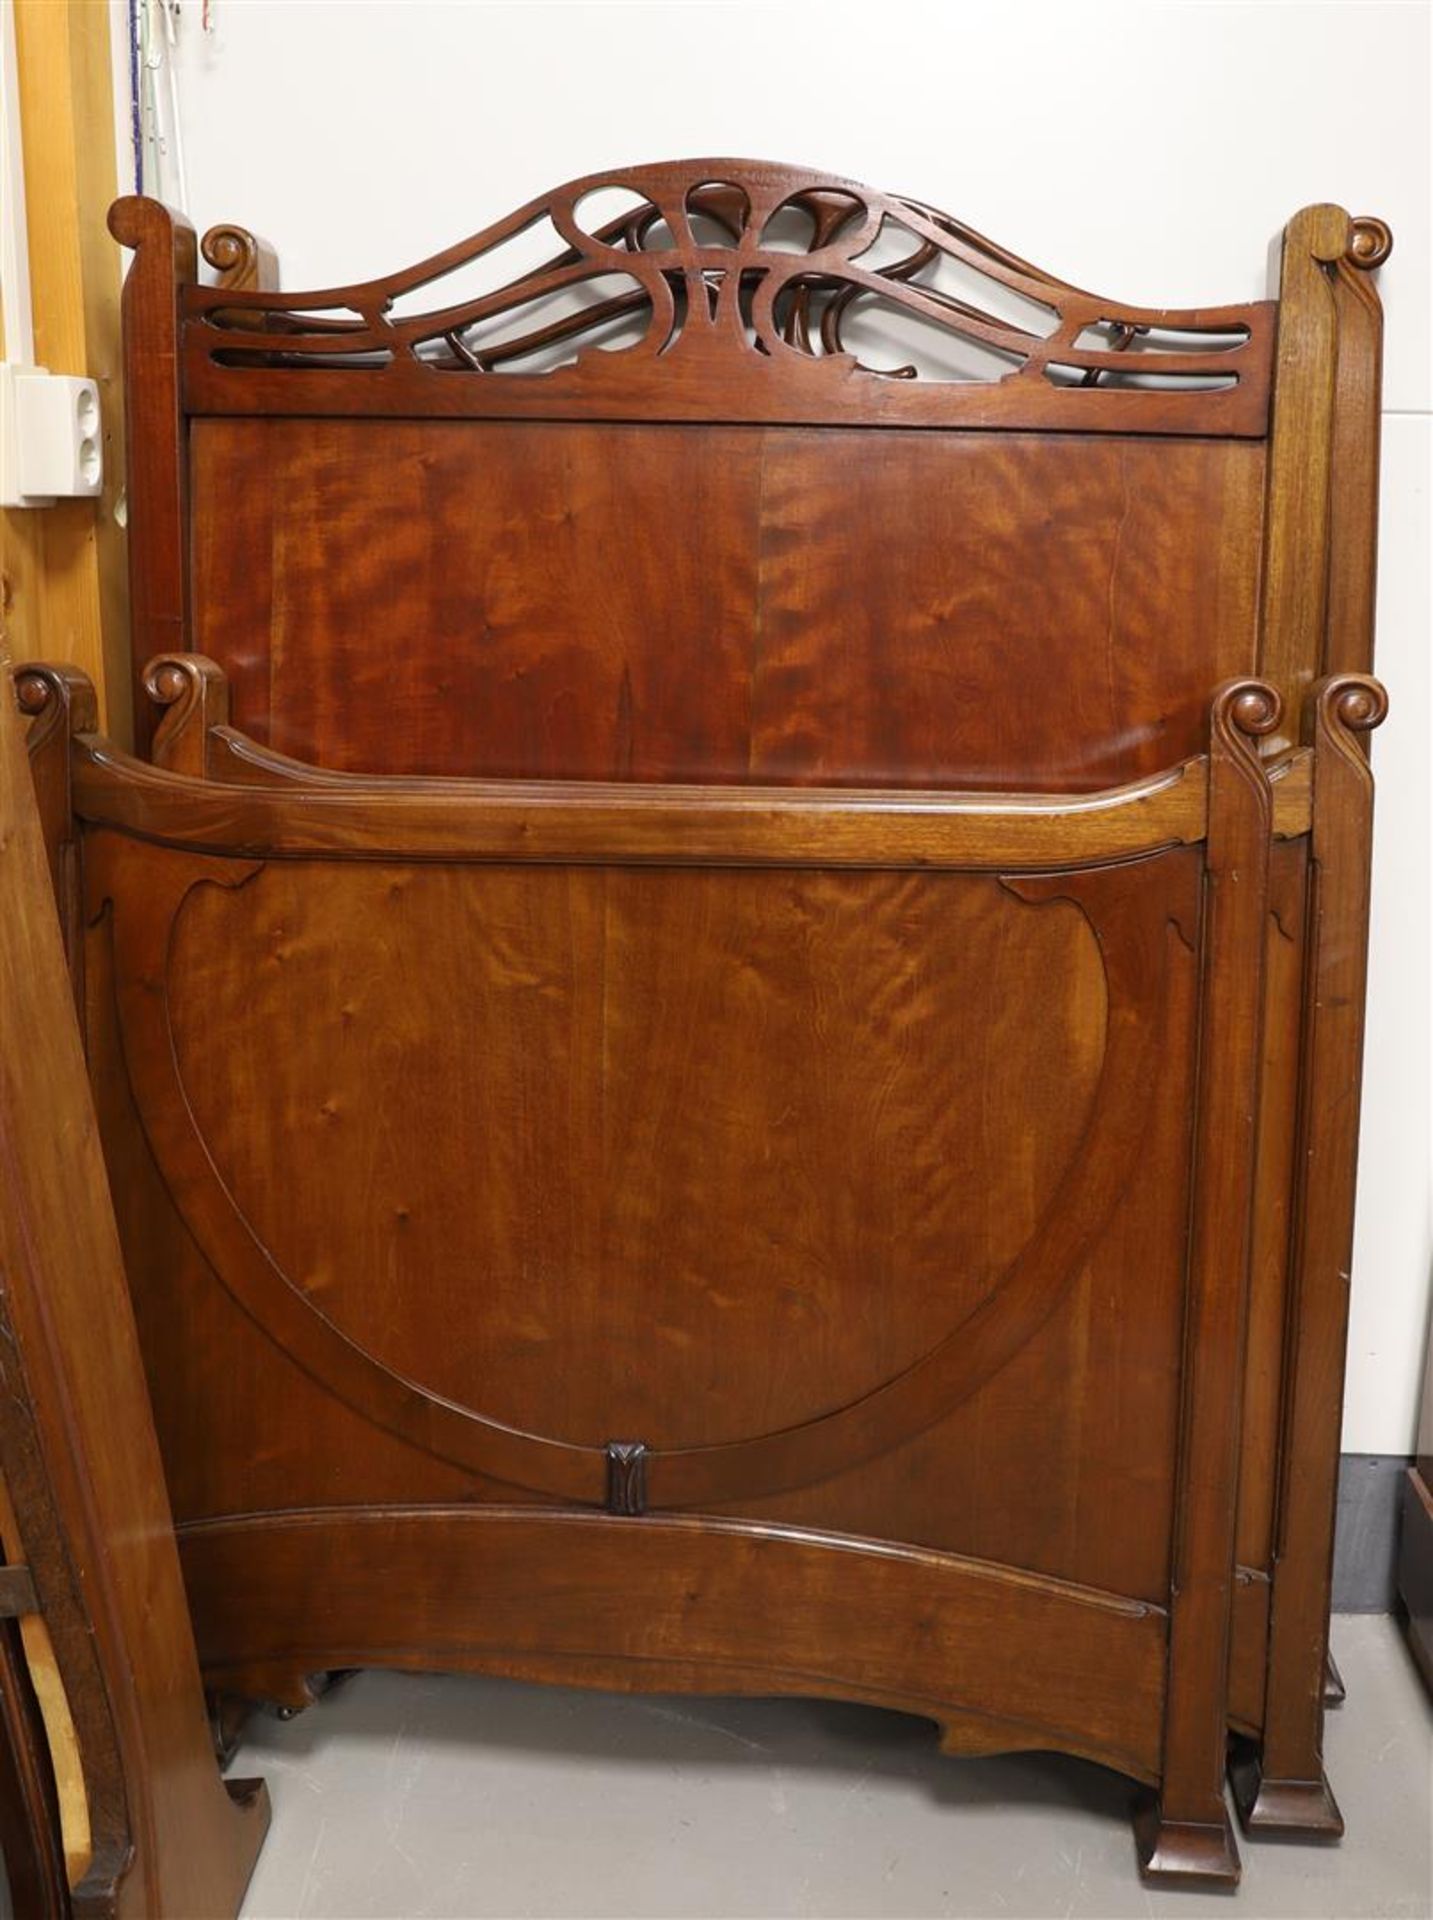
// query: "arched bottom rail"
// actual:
[[1003, 1660]]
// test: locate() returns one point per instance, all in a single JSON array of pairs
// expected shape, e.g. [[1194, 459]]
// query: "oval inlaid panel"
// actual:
[[477, 1118]]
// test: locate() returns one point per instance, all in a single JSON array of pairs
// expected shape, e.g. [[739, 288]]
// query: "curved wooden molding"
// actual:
[[231, 757], [78, 1453], [240, 258], [352, 817], [1139, 947], [59, 702], [1280, 1786], [1370, 241], [675, 1604], [1128, 910], [193, 695], [55, 697], [741, 280], [1186, 1834]]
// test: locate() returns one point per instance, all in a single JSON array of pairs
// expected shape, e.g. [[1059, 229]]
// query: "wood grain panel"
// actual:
[[930, 672], [632, 1192], [672, 603], [696, 1605], [547, 602], [830, 1187], [728, 555], [300, 1441]]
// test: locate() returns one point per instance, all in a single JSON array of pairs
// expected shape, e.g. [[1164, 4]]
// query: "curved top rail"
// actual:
[[356, 817], [742, 278]]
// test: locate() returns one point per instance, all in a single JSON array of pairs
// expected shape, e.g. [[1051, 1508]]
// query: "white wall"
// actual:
[[1148, 151]]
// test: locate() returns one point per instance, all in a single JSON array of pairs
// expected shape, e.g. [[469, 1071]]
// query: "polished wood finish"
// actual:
[[694, 733], [673, 603], [577, 821], [705, 262], [1324, 497], [678, 1605], [1283, 1785], [1189, 1836], [155, 433], [84, 1489], [819, 1497]]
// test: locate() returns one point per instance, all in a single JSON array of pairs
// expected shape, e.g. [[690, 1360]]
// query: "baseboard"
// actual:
[[1365, 1565]]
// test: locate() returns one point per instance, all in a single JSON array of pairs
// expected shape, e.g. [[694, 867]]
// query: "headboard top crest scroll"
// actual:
[[728, 289]]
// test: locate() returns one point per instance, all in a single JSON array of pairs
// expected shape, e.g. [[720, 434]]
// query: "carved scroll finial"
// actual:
[[1342, 705], [1241, 803], [55, 695], [148, 226], [239, 258], [1370, 241], [193, 690], [1250, 707], [59, 702], [33, 691]]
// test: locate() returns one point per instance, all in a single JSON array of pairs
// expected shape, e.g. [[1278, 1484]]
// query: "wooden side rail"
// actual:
[[278, 807]]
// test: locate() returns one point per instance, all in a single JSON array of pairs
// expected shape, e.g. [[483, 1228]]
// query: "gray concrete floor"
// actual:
[[404, 1798]]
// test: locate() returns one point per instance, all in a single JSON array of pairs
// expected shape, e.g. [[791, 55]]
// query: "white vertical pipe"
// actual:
[[14, 236]]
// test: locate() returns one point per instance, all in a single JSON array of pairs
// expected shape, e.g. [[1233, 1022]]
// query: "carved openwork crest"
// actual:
[[751, 269]]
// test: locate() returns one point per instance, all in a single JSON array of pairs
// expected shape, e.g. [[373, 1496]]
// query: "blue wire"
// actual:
[[136, 132]]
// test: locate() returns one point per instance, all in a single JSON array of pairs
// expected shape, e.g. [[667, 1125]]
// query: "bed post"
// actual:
[[165, 261], [1186, 1834], [1280, 1786], [1316, 619]]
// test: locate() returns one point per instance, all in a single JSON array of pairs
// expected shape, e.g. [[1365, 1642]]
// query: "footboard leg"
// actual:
[[1269, 1804], [1335, 1692], [1185, 1834], [1185, 1852], [1279, 1787]]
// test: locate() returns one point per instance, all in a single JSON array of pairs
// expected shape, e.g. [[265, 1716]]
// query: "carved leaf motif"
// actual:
[[736, 259]]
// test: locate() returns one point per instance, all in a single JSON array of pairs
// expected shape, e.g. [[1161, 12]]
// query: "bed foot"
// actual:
[[306, 1690], [1335, 1692], [286, 1691], [1265, 1805], [229, 1716], [1184, 1852]]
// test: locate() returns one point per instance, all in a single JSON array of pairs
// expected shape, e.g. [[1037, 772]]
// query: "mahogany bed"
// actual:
[[723, 1013]]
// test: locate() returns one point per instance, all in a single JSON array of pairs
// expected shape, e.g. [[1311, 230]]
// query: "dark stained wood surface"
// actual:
[[1317, 620], [590, 1073], [1003, 1661], [823, 935], [753, 281], [1189, 1835], [1284, 1785], [787, 1280], [571, 822], [81, 1468], [676, 603]]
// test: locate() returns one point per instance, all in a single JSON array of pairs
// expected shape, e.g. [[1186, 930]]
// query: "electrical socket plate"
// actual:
[[50, 442]]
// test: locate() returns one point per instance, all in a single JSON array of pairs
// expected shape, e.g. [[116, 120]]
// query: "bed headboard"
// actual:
[[724, 471]]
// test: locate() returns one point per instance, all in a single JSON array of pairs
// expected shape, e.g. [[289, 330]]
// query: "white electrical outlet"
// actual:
[[50, 442]]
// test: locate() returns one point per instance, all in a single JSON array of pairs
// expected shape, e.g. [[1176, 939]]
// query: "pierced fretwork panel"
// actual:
[[741, 280]]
